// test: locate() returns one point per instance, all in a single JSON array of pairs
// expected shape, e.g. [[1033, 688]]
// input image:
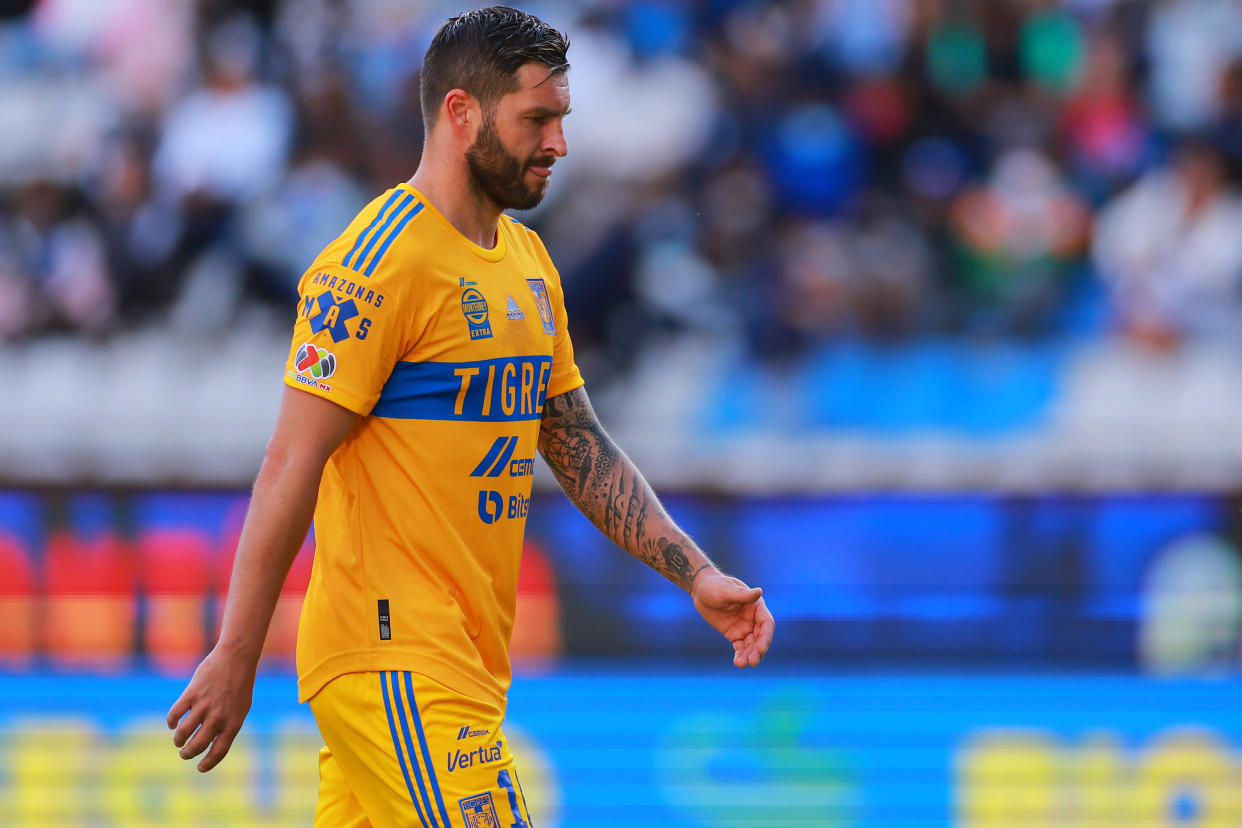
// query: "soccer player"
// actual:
[[430, 360]]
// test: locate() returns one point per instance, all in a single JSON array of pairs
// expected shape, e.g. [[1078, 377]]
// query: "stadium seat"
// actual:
[[537, 641], [91, 603], [175, 564], [17, 602]]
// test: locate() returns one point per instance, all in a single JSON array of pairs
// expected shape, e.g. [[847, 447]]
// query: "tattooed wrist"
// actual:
[[695, 575]]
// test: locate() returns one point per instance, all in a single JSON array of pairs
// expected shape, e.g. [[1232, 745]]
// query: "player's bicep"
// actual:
[[310, 427]]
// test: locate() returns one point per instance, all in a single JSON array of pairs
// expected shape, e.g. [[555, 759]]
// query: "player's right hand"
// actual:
[[212, 707]]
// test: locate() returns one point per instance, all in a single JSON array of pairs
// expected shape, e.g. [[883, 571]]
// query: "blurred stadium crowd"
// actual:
[[798, 170], [786, 186]]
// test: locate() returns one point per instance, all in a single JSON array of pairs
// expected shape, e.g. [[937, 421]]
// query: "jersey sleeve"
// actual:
[[565, 374], [347, 337]]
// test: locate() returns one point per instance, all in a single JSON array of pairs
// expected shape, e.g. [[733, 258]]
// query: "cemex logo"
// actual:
[[467, 733]]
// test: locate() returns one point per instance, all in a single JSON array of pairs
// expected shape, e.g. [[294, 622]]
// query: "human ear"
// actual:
[[463, 113]]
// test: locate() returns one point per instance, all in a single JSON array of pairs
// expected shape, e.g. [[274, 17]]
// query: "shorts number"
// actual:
[[505, 781]]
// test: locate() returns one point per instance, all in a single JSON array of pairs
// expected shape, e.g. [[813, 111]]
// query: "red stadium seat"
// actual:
[[17, 603], [537, 641], [91, 602], [176, 581]]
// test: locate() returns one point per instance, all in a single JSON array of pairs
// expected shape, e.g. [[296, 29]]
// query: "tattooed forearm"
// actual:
[[606, 486]]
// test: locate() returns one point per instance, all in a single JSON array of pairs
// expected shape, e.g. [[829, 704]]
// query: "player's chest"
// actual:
[[489, 313]]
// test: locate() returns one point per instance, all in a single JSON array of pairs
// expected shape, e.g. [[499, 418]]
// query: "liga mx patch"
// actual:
[[479, 811], [314, 365], [474, 308], [540, 290]]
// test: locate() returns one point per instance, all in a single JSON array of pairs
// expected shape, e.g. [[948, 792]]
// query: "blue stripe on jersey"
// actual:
[[396, 231], [383, 212], [485, 391], [405, 731], [422, 741], [396, 744], [525, 807], [383, 228]]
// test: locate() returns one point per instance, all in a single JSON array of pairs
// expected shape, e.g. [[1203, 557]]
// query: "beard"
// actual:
[[499, 175]]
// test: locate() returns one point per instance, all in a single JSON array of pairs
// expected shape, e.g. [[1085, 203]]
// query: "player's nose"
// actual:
[[554, 141]]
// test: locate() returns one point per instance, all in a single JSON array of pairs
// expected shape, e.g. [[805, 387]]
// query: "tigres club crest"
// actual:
[[479, 811], [540, 291]]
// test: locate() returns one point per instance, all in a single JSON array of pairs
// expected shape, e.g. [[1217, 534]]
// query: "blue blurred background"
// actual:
[[923, 315]]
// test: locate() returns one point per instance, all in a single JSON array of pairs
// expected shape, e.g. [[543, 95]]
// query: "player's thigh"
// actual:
[[472, 769], [359, 717], [337, 806], [416, 753]]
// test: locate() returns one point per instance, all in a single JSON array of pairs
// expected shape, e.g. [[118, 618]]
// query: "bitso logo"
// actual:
[[474, 308], [314, 365], [491, 506]]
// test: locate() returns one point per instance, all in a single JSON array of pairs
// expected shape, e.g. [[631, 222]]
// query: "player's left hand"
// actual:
[[738, 612]]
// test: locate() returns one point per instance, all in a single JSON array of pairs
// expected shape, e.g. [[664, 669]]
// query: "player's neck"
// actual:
[[449, 191]]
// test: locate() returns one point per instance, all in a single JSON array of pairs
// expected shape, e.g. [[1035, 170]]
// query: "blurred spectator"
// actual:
[[227, 141], [1170, 250], [144, 229], [1190, 42], [1106, 135], [53, 267], [1018, 238]]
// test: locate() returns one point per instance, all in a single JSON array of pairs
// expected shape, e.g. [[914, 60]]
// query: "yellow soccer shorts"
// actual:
[[404, 750]]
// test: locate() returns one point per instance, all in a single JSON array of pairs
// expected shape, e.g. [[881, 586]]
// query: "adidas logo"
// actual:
[[512, 310]]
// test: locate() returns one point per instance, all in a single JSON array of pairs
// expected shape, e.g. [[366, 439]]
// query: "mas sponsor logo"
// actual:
[[499, 459], [458, 759], [479, 811], [512, 310], [492, 506], [467, 733], [539, 289], [326, 313], [474, 308], [313, 365]]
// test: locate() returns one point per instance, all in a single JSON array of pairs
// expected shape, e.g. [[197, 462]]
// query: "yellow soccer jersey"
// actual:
[[449, 350]]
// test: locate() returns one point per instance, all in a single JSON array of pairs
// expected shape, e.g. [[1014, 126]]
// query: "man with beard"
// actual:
[[430, 359]]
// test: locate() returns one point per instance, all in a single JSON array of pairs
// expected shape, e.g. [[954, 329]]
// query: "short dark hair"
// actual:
[[481, 51]]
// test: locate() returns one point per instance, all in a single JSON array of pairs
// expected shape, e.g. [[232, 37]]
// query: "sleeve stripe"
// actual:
[[396, 231], [392, 199], [392, 215]]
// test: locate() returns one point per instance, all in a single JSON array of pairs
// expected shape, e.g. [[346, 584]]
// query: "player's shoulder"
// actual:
[[526, 237], [384, 233], [381, 242]]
